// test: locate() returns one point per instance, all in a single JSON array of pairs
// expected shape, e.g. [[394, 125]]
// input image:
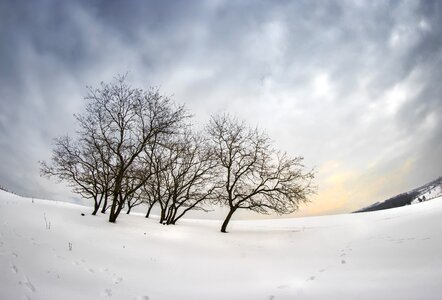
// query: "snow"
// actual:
[[429, 192], [388, 254]]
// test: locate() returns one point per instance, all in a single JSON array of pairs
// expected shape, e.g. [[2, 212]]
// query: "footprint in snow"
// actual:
[[107, 293], [311, 278], [118, 280], [284, 286], [14, 268], [343, 262], [27, 283]]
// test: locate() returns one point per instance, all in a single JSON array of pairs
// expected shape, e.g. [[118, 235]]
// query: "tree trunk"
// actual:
[[162, 215], [128, 210], [96, 207], [103, 210], [226, 221], [148, 211], [119, 208], [113, 214], [173, 219], [169, 215]]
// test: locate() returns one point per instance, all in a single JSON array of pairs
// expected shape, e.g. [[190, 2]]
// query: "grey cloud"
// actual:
[[315, 74]]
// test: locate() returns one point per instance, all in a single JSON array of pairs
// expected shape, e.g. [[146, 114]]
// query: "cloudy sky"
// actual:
[[354, 86]]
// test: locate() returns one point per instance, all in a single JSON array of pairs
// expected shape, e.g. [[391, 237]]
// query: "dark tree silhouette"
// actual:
[[78, 164], [254, 175], [191, 182], [120, 122], [182, 176]]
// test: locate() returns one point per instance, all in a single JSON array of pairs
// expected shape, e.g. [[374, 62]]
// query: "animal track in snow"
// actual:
[[27, 283], [107, 293], [343, 262], [14, 268], [118, 280]]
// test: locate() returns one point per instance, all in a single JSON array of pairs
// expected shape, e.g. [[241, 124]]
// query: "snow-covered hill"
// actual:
[[48, 250], [429, 191]]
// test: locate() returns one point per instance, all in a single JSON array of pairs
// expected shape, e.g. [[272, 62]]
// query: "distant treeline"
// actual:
[[396, 201]]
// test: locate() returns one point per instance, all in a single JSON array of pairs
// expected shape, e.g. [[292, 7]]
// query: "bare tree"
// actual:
[[254, 175], [192, 173], [147, 197], [183, 172], [87, 136], [154, 191], [134, 176], [77, 164], [128, 119], [119, 123]]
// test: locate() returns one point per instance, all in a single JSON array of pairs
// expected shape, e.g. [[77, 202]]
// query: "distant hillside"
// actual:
[[426, 192]]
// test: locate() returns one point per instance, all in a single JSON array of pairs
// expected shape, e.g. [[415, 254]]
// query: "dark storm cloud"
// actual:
[[352, 85]]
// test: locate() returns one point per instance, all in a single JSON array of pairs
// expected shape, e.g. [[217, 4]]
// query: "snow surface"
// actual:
[[429, 192], [389, 254]]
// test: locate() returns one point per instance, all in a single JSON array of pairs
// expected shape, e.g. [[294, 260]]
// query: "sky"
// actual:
[[353, 86]]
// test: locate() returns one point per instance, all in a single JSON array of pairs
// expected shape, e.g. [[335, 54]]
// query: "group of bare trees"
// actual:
[[136, 146]]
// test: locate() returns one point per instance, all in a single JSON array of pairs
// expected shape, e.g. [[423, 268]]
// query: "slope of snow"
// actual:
[[429, 193], [390, 254]]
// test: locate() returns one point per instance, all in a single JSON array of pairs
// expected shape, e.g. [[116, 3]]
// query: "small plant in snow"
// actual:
[[70, 246], [47, 223]]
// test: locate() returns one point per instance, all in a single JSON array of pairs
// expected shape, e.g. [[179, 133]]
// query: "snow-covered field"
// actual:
[[49, 251]]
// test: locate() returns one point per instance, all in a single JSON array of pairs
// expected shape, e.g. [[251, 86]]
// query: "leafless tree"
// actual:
[[147, 196], [77, 164], [154, 191], [119, 123], [182, 178], [135, 175], [129, 119], [192, 173], [254, 175]]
